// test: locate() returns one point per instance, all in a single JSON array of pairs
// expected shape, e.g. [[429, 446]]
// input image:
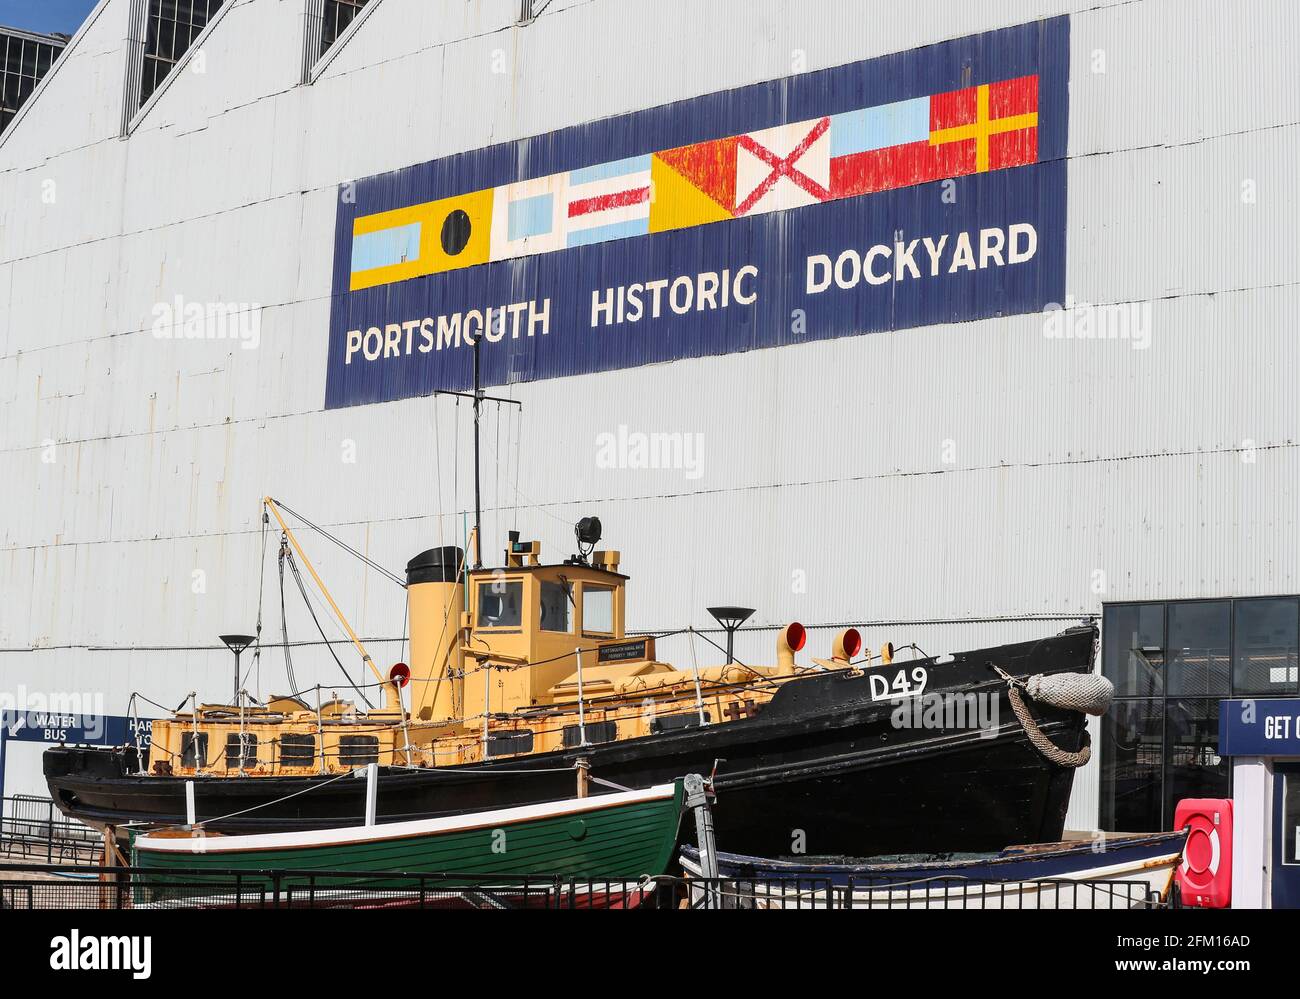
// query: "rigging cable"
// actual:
[[256, 664], [519, 433], [344, 545], [297, 577], [455, 462], [496, 477], [284, 620], [437, 463]]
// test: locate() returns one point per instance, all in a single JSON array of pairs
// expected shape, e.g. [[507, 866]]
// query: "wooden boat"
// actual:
[[1117, 872], [607, 839]]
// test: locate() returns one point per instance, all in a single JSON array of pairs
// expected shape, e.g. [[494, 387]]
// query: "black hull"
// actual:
[[823, 769]]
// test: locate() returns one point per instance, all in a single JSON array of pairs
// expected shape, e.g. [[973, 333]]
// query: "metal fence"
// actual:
[[945, 892], [34, 829], [61, 887]]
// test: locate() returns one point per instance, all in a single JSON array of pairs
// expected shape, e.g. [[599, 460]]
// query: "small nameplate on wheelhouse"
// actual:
[[622, 652]]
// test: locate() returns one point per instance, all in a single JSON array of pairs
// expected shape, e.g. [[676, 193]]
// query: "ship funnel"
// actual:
[[435, 593], [789, 640], [437, 565]]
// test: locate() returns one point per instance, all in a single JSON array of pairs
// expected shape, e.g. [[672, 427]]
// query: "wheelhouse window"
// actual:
[[598, 609], [194, 750], [358, 750], [501, 604], [297, 750], [557, 600]]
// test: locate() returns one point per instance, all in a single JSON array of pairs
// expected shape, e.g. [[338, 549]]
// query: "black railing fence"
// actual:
[[33, 828], [28, 886]]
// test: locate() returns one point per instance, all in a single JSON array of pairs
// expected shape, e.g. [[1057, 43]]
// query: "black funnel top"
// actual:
[[437, 565]]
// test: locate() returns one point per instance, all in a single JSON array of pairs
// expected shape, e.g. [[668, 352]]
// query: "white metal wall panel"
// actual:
[[825, 459]]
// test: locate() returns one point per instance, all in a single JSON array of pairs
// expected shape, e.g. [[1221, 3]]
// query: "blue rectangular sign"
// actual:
[[918, 188], [1259, 727], [75, 729]]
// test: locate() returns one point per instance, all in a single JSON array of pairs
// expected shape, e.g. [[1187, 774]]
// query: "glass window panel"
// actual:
[[167, 47], [1132, 758], [173, 25], [555, 607], [1133, 648], [598, 609], [1197, 656], [339, 14], [1193, 767], [500, 604], [1264, 646]]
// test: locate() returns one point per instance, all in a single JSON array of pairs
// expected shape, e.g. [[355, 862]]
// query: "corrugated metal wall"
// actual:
[[975, 472]]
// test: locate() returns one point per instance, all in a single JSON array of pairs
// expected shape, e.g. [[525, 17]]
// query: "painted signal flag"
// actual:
[[991, 126]]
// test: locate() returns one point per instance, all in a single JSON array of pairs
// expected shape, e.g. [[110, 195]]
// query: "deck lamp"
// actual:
[[237, 644], [731, 618]]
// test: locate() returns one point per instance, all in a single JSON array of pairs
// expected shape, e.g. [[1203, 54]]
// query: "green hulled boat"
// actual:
[[622, 836]]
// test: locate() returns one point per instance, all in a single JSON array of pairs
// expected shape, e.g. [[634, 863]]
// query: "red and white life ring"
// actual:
[[1205, 875]]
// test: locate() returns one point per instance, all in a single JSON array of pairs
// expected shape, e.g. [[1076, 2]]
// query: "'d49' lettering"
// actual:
[[904, 684]]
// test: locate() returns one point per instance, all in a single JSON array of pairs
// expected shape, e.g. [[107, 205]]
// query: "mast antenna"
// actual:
[[478, 499], [478, 397]]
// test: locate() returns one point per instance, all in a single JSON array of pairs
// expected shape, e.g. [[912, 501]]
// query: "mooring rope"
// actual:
[[1088, 694]]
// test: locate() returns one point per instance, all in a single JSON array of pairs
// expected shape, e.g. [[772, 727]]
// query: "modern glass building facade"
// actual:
[[1171, 663]]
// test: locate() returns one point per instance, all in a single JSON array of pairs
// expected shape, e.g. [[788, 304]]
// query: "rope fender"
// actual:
[[1086, 693]]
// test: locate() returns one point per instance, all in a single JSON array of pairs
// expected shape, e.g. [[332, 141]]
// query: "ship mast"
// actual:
[[478, 502], [478, 396]]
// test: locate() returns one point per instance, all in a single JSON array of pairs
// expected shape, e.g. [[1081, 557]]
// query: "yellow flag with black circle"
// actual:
[[431, 238]]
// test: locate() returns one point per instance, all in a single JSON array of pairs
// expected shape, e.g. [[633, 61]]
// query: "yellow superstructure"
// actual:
[[522, 659]]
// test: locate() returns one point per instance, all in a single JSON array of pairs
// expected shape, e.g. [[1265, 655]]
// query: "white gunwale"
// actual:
[[400, 830]]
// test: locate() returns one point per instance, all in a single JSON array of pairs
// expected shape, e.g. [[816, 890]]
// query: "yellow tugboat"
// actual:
[[523, 679], [523, 659], [523, 684]]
